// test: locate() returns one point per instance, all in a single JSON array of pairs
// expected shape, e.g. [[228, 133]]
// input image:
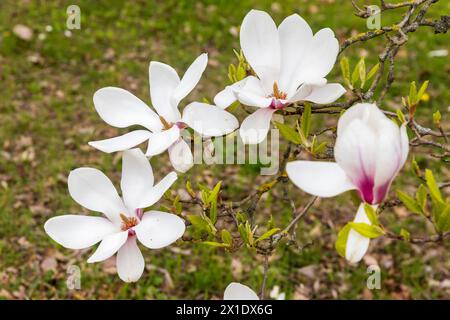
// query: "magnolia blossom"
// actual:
[[121, 109], [290, 65], [370, 150], [124, 221], [237, 291]]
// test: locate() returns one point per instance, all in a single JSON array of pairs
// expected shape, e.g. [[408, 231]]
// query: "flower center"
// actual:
[[128, 222], [277, 94], [167, 125]]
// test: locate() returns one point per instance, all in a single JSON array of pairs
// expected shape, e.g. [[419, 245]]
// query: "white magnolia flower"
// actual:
[[125, 219], [290, 64], [121, 109], [370, 150], [237, 291]]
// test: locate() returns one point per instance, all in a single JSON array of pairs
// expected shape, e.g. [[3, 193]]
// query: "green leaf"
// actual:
[[432, 186], [215, 192], [268, 234], [409, 202], [341, 241], [362, 72], [413, 93], [318, 148], [240, 72], [243, 232], [355, 73], [288, 133], [373, 71], [226, 237], [401, 116], [422, 90], [421, 197], [232, 73], [177, 204], [367, 230], [189, 189], [198, 222], [371, 214], [345, 69], [437, 118], [416, 168], [443, 224], [405, 234], [216, 244], [305, 123]]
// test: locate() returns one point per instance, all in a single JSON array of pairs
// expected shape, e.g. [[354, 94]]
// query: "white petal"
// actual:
[[161, 141], [260, 45], [180, 155], [295, 38], [137, 178], [255, 127], [237, 291], [130, 262], [163, 82], [323, 179], [325, 94], [123, 142], [191, 77], [320, 57], [228, 95], [109, 246], [159, 229], [404, 141], [389, 155], [94, 191], [151, 196], [254, 100], [208, 120], [367, 112], [121, 109], [78, 232], [357, 244], [306, 88], [356, 153]]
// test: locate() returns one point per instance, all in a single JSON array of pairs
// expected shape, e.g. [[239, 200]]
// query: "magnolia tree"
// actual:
[[281, 69]]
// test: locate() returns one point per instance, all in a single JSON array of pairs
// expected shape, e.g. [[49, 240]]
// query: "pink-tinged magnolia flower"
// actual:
[[237, 291], [290, 65], [370, 150], [124, 221], [121, 109]]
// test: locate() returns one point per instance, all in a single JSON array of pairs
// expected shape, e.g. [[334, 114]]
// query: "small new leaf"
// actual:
[[341, 241], [443, 223], [371, 214], [226, 237], [432, 186], [367, 230], [345, 69], [288, 133], [305, 124], [268, 234], [216, 244], [409, 202], [405, 234]]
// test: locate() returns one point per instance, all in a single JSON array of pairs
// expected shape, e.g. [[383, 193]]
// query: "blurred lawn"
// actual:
[[47, 117]]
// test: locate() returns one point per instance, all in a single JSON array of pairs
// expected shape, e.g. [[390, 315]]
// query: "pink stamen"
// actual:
[[181, 125], [277, 104], [140, 213]]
